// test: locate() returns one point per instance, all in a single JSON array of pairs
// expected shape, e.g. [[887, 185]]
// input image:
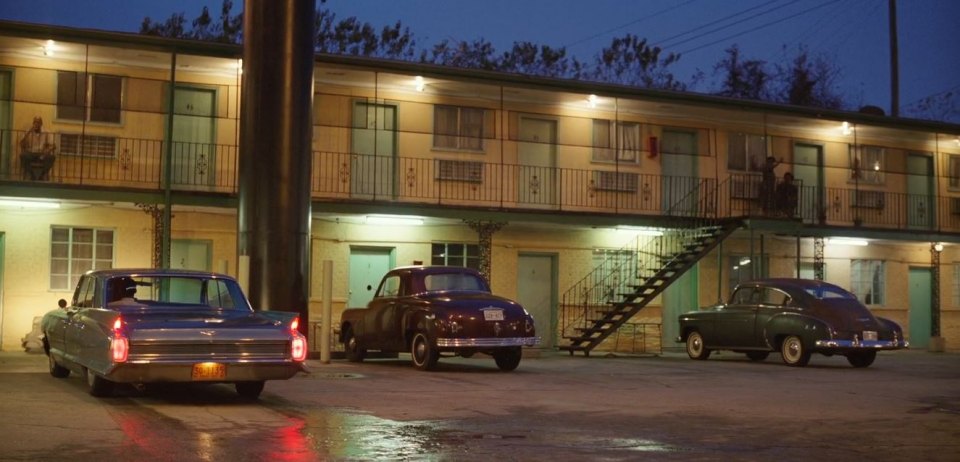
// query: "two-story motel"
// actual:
[[552, 180]]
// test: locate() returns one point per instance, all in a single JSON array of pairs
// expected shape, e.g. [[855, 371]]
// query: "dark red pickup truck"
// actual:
[[433, 310]]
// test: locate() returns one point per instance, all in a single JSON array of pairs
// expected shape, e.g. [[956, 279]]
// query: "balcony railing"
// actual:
[[122, 163], [133, 163]]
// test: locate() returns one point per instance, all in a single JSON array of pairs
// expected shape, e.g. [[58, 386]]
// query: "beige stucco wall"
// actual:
[[26, 292]]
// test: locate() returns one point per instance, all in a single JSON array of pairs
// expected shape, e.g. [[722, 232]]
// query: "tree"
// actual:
[[478, 54], [809, 81], [227, 29], [532, 59], [742, 78], [629, 60], [943, 106]]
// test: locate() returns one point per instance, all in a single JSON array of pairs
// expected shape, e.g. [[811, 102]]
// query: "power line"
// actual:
[[762, 26], [636, 21], [662, 43]]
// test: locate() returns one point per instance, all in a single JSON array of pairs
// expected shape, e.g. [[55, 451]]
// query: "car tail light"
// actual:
[[119, 346], [298, 347]]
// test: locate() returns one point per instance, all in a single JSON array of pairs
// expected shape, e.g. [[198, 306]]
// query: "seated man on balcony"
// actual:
[[37, 152]]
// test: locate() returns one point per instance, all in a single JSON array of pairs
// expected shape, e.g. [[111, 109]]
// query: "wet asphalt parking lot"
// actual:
[[555, 408]]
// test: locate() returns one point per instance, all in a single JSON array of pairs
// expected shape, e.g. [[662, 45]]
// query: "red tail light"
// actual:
[[298, 348], [119, 346]]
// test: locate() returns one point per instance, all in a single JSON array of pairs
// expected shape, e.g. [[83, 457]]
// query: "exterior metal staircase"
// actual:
[[630, 278]]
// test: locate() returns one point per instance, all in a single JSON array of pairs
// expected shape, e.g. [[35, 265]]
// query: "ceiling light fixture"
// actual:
[[592, 100], [640, 230], [393, 220], [847, 241], [419, 83], [28, 204], [48, 48]]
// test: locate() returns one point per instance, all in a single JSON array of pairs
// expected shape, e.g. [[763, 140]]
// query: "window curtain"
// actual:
[[601, 141], [445, 127], [630, 142], [867, 281], [471, 128]]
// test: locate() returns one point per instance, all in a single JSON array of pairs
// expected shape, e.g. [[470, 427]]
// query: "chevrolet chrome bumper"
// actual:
[[863, 344], [487, 342]]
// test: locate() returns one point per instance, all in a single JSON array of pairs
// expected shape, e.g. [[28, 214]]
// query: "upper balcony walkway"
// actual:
[[141, 165]]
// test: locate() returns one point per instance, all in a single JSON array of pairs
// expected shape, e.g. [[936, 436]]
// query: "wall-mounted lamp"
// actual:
[[845, 128], [419, 83], [393, 220], [592, 101], [48, 48], [938, 247]]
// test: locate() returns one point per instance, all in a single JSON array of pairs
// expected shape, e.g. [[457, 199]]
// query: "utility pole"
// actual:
[[894, 62]]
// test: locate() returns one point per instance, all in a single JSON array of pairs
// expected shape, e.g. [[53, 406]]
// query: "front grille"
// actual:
[[209, 351]]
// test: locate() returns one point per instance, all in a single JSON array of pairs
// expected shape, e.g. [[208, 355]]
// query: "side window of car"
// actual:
[[742, 296], [774, 297], [85, 292], [390, 287]]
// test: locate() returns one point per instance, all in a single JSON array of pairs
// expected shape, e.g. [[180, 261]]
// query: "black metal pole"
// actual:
[[275, 154]]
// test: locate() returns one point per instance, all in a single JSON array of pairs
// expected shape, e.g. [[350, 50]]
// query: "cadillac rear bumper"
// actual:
[[487, 342]]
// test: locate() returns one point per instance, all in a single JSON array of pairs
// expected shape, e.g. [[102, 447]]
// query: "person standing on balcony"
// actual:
[[787, 196], [768, 185], [37, 151]]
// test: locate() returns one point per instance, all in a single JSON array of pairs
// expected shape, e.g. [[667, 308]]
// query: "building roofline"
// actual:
[[128, 39]]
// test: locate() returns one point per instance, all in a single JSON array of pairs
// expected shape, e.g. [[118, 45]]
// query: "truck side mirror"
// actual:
[[62, 303]]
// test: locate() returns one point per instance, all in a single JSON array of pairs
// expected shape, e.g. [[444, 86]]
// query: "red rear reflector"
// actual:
[[298, 348]]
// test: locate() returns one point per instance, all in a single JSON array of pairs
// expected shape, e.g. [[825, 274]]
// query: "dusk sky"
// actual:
[[853, 33]]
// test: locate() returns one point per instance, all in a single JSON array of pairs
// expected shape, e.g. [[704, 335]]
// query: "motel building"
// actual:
[[569, 195]]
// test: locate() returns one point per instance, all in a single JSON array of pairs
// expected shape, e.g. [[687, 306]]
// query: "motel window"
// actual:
[[742, 268], [616, 142], [866, 281], [88, 97], [954, 171], [457, 127], [455, 254], [74, 251], [746, 152], [866, 164]]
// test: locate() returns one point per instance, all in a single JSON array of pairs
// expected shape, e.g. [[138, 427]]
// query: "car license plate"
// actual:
[[493, 315], [209, 371], [870, 335]]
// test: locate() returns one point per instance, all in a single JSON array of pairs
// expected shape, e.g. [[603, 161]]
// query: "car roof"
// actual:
[[432, 269], [114, 272], [792, 283]]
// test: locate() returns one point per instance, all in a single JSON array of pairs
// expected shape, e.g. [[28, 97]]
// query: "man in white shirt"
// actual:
[[36, 151]]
